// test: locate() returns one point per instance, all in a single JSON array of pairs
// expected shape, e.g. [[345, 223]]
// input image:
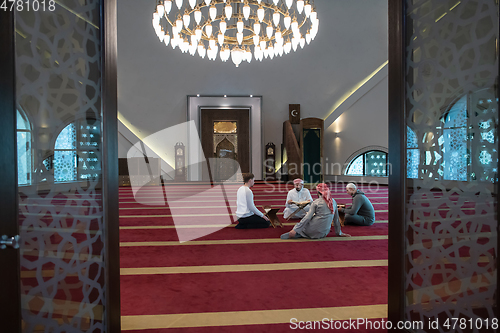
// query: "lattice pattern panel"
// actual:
[[356, 167], [452, 116], [58, 69], [375, 164], [233, 138]]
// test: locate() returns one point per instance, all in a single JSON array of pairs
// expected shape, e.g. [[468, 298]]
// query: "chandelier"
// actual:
[[237, 29]]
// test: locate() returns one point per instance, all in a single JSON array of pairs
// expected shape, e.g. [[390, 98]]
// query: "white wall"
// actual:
[[154, 80], [364, 124]]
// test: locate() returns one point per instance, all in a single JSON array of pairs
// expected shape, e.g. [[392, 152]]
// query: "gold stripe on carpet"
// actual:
[[45, 273], [273, 196], [162, 200], [52, 251], [252, 317], [453, 289], [252, 241], [77, 230], [194, 226], [62, 307], [240, 268], [251, 267], [202, 215], [204, 207], [223, 268]]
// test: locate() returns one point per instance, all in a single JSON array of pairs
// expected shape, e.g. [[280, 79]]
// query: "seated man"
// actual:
[[297, 195], [249, 217], [361, 212], [318, 221]]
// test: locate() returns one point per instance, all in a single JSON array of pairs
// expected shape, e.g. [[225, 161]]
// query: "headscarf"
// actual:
[[298, 181], [325, 192]]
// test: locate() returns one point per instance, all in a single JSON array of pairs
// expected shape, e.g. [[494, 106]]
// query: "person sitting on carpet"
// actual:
[[297, 195], [318, 221], [361, 212], [249, 217]]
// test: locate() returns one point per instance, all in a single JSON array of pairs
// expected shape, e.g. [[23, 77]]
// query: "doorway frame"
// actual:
[[397, 152], [9, 191], [195, 103], [9, 258]]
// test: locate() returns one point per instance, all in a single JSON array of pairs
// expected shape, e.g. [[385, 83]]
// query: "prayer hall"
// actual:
[[249, 165]]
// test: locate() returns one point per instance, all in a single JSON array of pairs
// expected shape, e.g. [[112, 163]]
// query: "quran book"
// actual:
[[271, 214], [301, 203]]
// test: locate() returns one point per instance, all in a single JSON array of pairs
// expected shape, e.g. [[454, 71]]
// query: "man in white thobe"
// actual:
[[298, 194]]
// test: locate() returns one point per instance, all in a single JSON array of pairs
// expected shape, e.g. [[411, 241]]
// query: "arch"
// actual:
[[76, 154], [64, 162], [356, 164], [225, 162], [225, 149]]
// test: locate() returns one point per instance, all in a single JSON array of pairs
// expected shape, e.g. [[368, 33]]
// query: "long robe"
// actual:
[[318, 221], [297, 196]]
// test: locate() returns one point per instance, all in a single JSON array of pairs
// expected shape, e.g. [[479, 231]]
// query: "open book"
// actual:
[[301, 204], [271, 214]]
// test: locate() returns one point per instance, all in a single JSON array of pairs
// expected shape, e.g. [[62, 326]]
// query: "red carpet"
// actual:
[[247, 291], [138, 235], [153, 256], [220, 292], [276, 328]]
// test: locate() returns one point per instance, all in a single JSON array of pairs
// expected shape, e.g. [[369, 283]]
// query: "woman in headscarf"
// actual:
[[318, 221]]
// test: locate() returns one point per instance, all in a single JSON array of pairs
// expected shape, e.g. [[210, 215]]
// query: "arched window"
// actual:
[[65, 155], [24, 155], [462, 146], [76, 154], [369, 163], [412, 154]]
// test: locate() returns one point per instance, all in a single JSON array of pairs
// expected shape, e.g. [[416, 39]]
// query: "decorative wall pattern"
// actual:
[[58, 69], [356, 167], [452, 116], [65, 155]]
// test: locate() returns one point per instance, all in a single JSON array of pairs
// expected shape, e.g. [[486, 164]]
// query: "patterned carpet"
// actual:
[[221, 279]]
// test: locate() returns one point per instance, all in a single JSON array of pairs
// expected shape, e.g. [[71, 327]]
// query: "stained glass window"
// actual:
[[65, 155], [454, 148], [412, 153], [465, 148], [24, 155], [356, 167], [76, 153], [89, 164], [370, 163]]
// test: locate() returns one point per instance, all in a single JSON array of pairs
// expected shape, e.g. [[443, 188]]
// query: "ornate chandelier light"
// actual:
[[236, 29]]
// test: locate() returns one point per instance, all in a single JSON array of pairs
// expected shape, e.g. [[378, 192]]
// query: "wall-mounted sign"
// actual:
[[294, 113]]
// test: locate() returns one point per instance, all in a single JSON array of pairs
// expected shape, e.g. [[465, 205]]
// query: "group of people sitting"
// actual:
[[316, 216]]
